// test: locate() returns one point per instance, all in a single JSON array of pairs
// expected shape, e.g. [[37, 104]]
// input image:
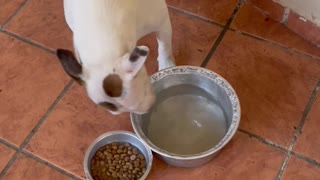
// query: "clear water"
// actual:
[[186, 123]]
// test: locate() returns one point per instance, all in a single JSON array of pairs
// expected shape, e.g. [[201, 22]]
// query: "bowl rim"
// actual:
[[223, 83], [108, 134]]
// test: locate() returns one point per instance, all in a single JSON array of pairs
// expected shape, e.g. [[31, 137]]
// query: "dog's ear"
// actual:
[[70, 64], [136, 60]]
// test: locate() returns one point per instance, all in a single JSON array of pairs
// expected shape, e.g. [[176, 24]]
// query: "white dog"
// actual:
[[111, 68]]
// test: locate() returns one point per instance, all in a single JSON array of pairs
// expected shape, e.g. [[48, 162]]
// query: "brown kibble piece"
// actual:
[[101, 163], [134, 151], [109, 155], [126, 159], [125, 175], [140, 156], [136, 164], [143, 163], [122, 156], [133, 157]]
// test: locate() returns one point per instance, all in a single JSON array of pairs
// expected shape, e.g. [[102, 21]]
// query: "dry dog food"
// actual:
[[117, 161]]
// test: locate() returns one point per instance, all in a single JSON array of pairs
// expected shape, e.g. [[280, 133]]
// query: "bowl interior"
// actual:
[[119, 137], [192, 115]]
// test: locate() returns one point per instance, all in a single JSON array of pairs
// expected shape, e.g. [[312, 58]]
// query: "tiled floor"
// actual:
[[47, 121]]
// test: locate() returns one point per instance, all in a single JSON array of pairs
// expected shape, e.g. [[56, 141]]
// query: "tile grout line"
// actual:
[[4, 142], [27, 41], [220, 37], [35, 129], [263, 12], [307, 159], [14, 14], [196, 17], [305, 114], [263, 141], [281, 148], [186, 13], [276, 44], [50, 165], [51, 108], [37, 159], [298, 130]]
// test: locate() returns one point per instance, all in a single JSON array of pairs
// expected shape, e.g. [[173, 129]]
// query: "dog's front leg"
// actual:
[[165, 57]]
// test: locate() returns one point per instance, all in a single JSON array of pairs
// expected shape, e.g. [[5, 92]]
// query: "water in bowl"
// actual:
[[186, 121]]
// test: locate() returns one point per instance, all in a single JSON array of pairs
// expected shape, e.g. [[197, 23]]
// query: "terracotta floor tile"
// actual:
[[243, 158], [7, 8], [25, 168], [252, 21], [273, 84], [5, 155], [30, 81], [308, 142], [217, 11], [298, 169], [43, 21], [71, 128], [61, 136], [191, 41]]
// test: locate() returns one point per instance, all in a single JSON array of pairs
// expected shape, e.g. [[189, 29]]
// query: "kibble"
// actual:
[[118, 161], [133, 157]]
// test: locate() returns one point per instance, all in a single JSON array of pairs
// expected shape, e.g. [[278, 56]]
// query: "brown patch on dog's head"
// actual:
[[109, 106], [112, 85]]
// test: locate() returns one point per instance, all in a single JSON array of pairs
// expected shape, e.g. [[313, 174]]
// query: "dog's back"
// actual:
[[104, 23]]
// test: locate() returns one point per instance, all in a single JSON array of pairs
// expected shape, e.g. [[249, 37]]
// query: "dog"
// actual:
[[106, 58]]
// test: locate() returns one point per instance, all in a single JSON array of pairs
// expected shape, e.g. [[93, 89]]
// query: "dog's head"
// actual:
[[120, 85]]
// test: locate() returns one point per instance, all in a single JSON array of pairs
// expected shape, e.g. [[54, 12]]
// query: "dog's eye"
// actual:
[[109, 106]]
